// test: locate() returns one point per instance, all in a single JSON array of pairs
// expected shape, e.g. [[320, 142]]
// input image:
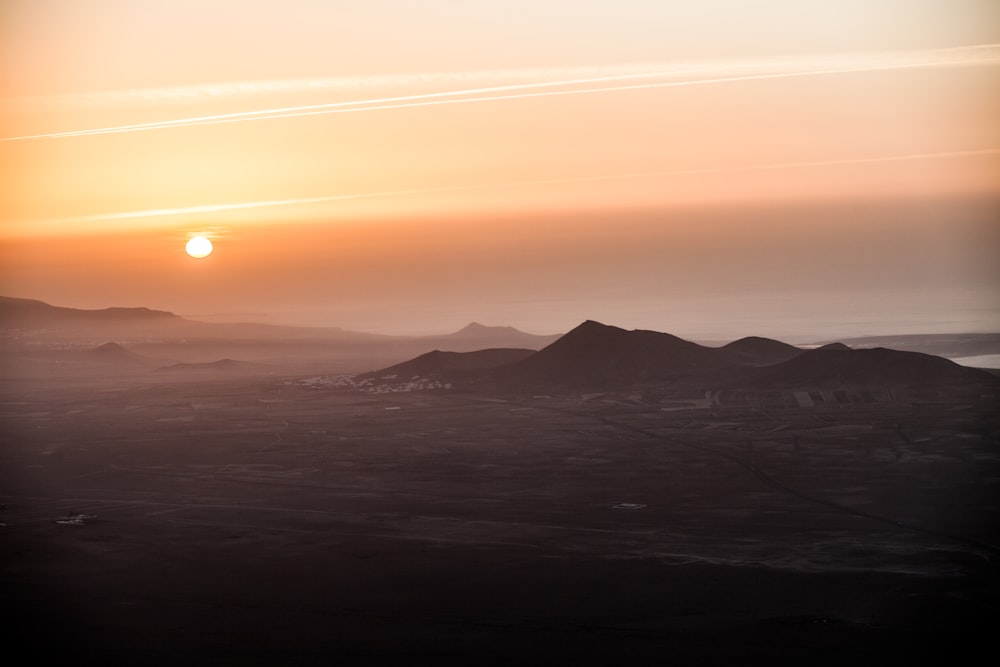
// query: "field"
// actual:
[[264, 519]]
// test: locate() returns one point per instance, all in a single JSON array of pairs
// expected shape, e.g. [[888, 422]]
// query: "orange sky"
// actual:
[[520, 163]]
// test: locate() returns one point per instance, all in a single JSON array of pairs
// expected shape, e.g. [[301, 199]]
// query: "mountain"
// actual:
[[476, 336], [841, 366], [598, 355], [31, 314], [117, 355], [591, 356], [756, 351], [943, 345], [43, 318], [32, 327], [477, 330], [21, 318], [453, 365]]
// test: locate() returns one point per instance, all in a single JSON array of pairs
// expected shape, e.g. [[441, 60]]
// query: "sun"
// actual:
[[199, 247]]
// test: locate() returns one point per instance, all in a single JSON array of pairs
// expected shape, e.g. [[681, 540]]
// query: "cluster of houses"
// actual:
[[386, 384]]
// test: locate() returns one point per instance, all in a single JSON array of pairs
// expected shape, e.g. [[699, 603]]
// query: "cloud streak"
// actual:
[[325, 199], [719, 74]]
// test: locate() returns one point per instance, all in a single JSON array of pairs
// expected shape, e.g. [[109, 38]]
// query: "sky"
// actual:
[[793, 168]]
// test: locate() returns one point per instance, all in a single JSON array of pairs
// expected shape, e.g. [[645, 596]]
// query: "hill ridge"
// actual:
[[597, 356], [33, 309]]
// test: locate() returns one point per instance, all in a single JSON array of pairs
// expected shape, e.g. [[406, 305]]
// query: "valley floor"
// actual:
[[263, 520]]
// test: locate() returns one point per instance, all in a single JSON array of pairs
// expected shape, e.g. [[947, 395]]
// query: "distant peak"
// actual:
[[834, 346], [477, 329], [113, 352]]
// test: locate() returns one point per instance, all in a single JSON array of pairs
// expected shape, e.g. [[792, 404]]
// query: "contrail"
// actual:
[[400, 101], [271, 203], [983, 54], [935, 58]]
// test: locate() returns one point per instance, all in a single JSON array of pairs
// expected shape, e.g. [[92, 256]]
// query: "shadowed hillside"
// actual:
[[598, 355], [452, 365], [832, 365], [942, 345], [756, 351]]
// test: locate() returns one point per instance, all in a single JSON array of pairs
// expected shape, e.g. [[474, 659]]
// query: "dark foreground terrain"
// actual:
[[270, 520]]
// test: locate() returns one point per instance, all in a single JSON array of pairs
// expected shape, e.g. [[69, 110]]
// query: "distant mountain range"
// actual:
[[36, 337], [41, 321], [840, 365], [943, 345], [598, 357], [593, 356], [31, 314]]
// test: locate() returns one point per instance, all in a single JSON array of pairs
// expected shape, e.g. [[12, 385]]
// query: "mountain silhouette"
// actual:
[[452, 365], [29, 317], [29, 313], [117, 355], [598, 355], [834, 365], [593, 356], [943, 345], [477, 330], [476, 336], [757, 351]]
